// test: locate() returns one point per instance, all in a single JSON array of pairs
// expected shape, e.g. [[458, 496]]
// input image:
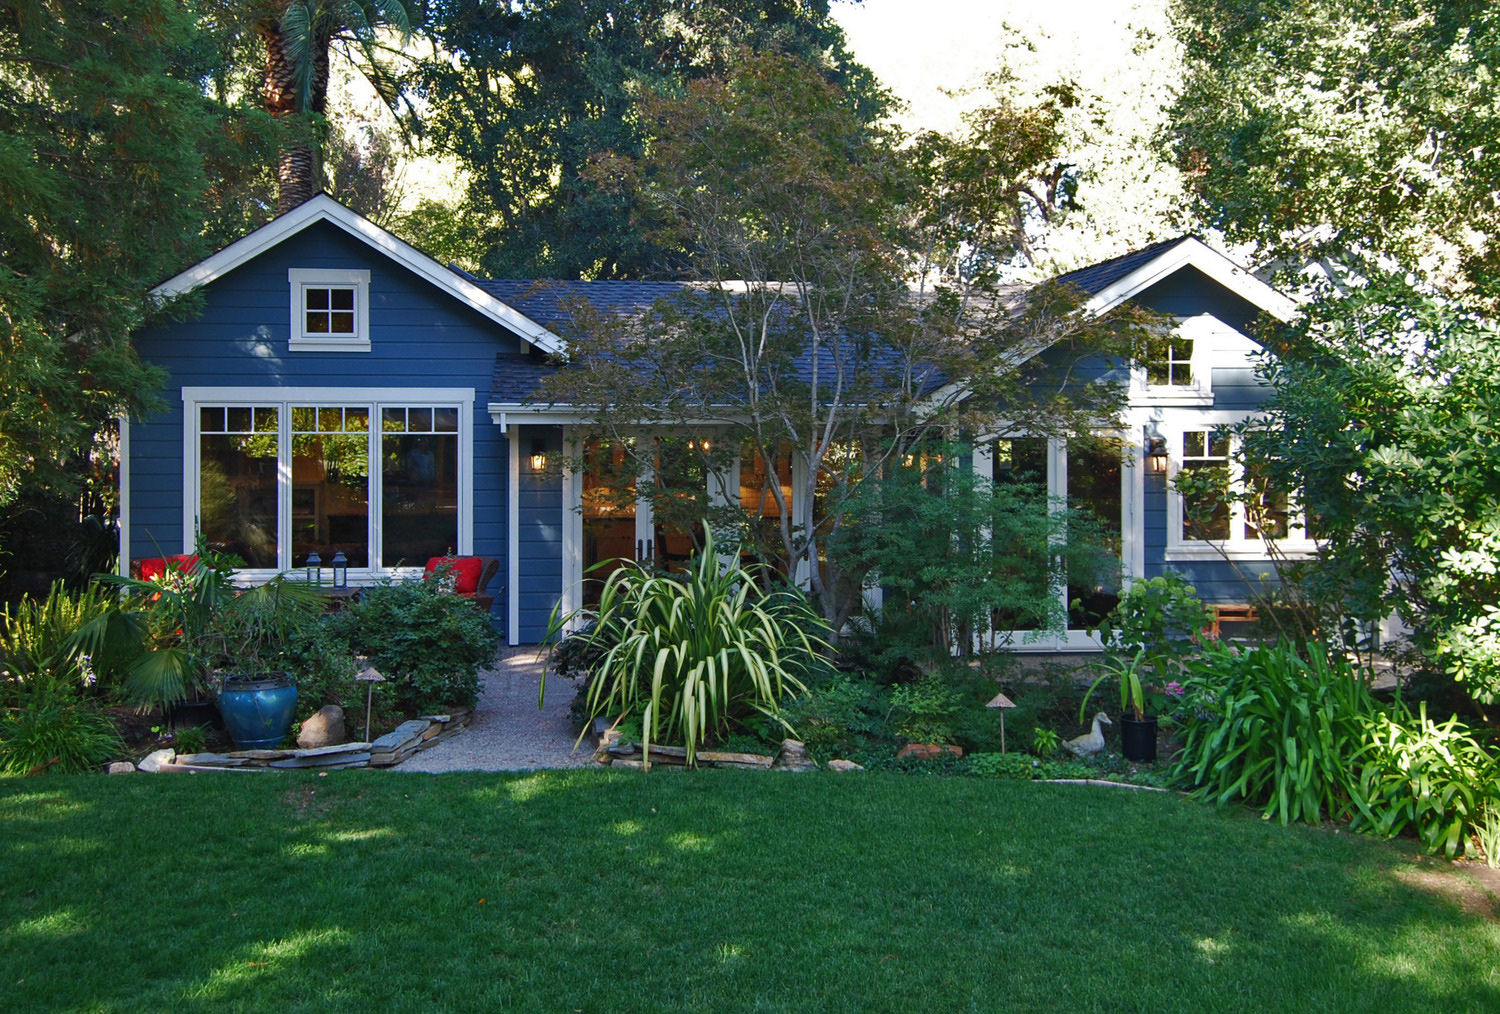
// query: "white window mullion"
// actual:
[[375, 488], [284, 486]]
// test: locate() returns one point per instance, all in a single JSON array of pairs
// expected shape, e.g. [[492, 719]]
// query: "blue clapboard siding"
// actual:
[[420, 337], [541, 534], [1189, 293]]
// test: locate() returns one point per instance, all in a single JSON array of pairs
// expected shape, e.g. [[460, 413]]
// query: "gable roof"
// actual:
[[1112, 282], [323, 208]]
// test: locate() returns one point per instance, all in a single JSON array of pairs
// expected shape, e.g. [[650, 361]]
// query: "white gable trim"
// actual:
[[1192, 252], [323, 208]]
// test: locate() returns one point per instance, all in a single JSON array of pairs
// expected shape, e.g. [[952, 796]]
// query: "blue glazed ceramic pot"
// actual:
[[257, 710]]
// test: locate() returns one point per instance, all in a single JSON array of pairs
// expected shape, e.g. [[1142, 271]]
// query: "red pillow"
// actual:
[[463, 570], [154, 567]]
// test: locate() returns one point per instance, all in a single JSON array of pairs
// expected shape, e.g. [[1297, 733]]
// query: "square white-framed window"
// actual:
[[382, 476], [330, 310], [1176, 367], [1253, 522]]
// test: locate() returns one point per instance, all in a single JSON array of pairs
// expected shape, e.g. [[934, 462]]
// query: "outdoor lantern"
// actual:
[[340, 569], [1003, 704], [314, 568], [538, 456], [1156, 455]]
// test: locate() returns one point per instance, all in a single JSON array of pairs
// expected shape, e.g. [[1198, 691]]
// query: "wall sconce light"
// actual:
[[1156, 455], [340, 569], [314, 569], [538, 456]]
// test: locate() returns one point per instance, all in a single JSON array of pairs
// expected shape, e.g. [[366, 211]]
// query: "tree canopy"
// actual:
[[110, 152], [1357, 129], [526, 94], [818, 331]]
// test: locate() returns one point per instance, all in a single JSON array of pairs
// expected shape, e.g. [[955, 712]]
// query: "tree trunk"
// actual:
[[298, 170]]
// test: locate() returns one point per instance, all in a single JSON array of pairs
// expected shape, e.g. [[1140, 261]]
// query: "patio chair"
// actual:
[[469, 575]]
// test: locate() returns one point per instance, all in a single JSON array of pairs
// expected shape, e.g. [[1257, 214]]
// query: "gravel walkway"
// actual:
[[507, 732]]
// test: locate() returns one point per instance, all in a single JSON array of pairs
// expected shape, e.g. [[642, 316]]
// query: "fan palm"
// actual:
[[298, 36]]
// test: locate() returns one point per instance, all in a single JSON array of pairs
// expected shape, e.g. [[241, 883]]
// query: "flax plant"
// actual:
[[692, 653]]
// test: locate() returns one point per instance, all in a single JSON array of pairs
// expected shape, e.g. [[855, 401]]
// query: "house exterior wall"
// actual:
[[421, 338]]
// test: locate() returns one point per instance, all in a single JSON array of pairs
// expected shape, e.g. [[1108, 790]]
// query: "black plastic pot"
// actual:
[[1138, 738]]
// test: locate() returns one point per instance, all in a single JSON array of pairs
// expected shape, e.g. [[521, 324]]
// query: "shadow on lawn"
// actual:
[[723, 890]]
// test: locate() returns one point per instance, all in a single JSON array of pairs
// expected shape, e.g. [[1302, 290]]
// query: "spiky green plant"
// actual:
[[694, 652]]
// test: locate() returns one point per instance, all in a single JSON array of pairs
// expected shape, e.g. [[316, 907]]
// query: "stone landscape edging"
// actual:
[[389, 750]]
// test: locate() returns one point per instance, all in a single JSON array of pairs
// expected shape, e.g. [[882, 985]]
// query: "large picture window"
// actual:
[[381, 482]]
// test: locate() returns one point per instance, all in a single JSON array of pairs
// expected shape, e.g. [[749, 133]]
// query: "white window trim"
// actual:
[[300, 280], [373, 398], [1131, 550], [1201, 331], [1237, 547]]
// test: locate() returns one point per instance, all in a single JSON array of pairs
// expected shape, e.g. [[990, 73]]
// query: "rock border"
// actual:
[[389, 750]]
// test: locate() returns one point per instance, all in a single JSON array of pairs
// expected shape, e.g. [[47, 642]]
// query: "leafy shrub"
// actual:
[[1281, 729], [47, 641], [1430, 778], [923, 712], [56, 732], [1158, 621], [429, 644], [694, 653], [838, 714], [322, 665], [1015, 766]]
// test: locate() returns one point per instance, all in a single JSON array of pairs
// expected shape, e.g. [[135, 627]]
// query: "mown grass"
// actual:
[[714, 891]]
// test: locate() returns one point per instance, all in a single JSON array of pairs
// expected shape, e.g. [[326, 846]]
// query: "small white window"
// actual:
[[330, 310], [1250, 519]]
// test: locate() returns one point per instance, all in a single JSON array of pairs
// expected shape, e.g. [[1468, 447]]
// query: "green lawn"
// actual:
[[711, 891]]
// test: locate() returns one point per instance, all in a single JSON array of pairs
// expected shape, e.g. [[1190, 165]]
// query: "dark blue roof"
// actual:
[[546, 301], [1097, 277]]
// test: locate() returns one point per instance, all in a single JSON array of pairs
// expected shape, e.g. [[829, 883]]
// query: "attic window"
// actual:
[[1169, 361], [330, 310]]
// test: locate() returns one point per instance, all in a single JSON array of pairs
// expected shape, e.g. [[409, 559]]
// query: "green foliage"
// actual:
[[922, 712], [47, 642], [322, 665], [692, 654], [190, 739], [953, 550], [1385, 412], [529, 96], [838, 715], [1045, 742], [1303, 737], [106, 146], [55, 732], [1430, 778], [1354, 130], [430, 645], [1283, 733], [1160, 618], [1017, 766]]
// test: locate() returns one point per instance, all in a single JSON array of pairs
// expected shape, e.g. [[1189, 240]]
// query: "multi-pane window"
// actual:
[[237, 480], [1169, 361], [1205, 512], [329, 310], [1230, 501], [279, 482]]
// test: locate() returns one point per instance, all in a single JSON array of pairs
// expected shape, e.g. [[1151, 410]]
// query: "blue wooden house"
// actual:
[[334, 390]]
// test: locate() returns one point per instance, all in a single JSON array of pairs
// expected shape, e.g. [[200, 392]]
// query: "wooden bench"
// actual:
[[1230, 612]]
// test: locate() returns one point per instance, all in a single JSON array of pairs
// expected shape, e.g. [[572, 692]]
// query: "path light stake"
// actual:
[[369, 674], [998, 701]]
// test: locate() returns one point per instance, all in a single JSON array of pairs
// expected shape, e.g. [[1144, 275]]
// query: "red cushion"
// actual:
[[154, 567], [464, 570]]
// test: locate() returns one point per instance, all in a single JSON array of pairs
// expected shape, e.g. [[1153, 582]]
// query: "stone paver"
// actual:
[[507, 732]]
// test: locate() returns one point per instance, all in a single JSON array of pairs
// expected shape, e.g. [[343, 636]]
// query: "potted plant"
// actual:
[[1154, 626], [244, 650], [198, 636]]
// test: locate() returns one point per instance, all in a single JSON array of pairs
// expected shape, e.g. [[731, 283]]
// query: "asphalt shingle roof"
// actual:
[[1097, 277]]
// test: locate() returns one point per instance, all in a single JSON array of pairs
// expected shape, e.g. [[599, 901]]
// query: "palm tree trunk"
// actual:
[[298, 170]]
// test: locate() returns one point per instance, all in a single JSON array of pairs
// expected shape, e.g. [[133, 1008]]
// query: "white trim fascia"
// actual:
[[1193, 252], [572, 526], [512, 541], [463, 396], [122, 558], [323, 208], [507, 413]]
